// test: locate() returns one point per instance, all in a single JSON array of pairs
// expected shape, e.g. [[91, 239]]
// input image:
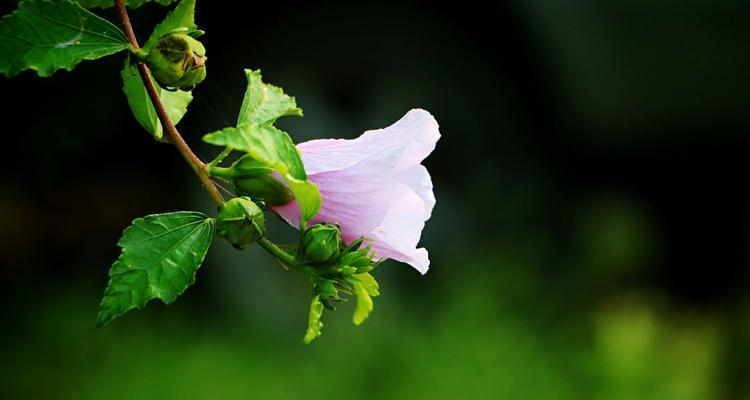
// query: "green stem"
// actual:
[[281, 255], [216, 161], [220, 172], [201, 170]]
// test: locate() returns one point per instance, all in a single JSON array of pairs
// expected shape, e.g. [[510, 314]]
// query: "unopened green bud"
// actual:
[[252, 178], [177, 61], [321, 243], [240, 222], [327, 289]]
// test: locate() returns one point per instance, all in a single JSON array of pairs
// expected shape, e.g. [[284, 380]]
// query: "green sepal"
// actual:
[[321, 243], [240, 222], [254, 179], [48, 35], [160, 256], [314, 321]]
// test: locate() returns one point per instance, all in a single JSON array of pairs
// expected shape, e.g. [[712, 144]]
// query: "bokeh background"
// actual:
[[590, 239]]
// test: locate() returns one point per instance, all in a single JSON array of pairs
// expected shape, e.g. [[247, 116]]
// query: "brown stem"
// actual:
[[171, 131]]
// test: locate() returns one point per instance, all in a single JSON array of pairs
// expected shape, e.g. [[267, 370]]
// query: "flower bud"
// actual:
[[321, 243], [251, 178], [177, 61], [240, 222]]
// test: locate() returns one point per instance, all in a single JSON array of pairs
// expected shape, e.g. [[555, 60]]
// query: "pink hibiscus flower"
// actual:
[[374, 186]]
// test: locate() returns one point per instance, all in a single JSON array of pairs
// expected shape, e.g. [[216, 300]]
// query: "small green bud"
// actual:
[[327, 289], [240, 222], [321, 243], [177, 61], [251, 178]]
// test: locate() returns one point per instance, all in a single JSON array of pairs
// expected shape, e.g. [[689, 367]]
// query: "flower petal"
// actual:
[[413, 136], [356, 198], [399, 233], [418, 179], [374, 186]]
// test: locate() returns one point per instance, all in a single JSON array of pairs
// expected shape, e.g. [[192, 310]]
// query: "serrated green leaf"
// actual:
[[160, 256], [175, 103], [181, 19], [314, 322], [55, 34], [274, 148], [264, 103], [129, 3]]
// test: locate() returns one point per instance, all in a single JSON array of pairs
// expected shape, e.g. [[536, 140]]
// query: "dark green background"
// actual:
[[590, 239]]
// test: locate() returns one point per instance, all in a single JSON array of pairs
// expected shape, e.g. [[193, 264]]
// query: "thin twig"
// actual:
[[171, 131]]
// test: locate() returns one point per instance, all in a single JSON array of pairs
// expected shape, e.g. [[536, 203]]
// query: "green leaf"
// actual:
[[308, 197], [264, 143], [57, 34], [365, 287], [264, 103], [364, 304], [160, 256], [255, 134], [175, 103], [314, 323], [129, 3], [181, 19], [274, 148]]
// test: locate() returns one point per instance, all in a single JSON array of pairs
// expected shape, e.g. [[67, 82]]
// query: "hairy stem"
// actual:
[[171, 131]]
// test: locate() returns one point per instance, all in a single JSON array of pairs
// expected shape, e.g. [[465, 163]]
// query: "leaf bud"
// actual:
[[177, 61], [240, 222], [321, 243]]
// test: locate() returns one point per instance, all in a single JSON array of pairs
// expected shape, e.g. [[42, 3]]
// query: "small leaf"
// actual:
[[365, 287], [175, 103], [274, 148], [160, 256], [181, 19], [57, 34], [129, 3], [308, 197], [369, 283], [364, 304], [314, 323], [264, 103]]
